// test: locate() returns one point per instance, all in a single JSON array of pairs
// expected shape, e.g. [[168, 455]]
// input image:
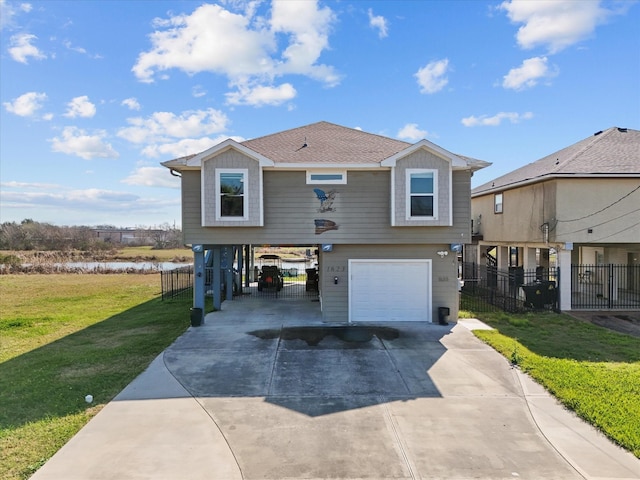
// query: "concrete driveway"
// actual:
[[255, 394]]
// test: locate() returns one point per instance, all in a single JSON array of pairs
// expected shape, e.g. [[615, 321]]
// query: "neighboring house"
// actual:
[[580, 205], [383, 214]]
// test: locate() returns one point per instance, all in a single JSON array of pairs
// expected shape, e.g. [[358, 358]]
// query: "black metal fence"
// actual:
[[487, 288], [177, 283], [285, 284], [289, 283], [605, 286]]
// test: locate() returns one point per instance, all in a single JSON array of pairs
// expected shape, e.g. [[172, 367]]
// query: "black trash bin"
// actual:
[[539, 294], [196, 317], [443, 313]]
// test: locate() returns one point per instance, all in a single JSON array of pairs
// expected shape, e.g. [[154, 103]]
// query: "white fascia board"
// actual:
[[327, 166], [197, 160], [456, 162]]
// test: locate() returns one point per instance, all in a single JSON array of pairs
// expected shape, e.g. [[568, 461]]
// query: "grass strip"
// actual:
[[591, 370], [63, 337]]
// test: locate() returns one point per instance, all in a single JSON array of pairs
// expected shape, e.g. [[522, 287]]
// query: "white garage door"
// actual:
[[389, 290]]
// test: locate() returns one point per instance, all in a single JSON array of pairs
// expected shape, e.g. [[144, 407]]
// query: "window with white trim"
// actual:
[[326, 177], [497, 203], [422, 194], [231, 193]]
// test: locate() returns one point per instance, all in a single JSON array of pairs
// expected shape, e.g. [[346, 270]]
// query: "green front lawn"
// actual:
[[593, 371], [63, 337]]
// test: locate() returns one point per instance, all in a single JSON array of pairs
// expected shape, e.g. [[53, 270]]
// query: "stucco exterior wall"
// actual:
[[597, 204], [571, 207], [524, 211]]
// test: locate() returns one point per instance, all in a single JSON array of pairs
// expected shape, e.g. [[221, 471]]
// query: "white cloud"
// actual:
[[556, 24], [496, 120], [26, 105], [198, 91], [152, 177], [162, 127], [308, 29], [75, 141], [21, 48], [432, 77], [80, 107], [14, 184], [242, 46], [379, 23], [261, 95], [9, 10], [131, 103], [411, 132], [91, 197], [90, 206], [73, 48], [182, 148], [528, 74]]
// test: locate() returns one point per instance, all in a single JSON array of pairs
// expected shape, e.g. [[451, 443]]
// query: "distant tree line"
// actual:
[[32, 235]]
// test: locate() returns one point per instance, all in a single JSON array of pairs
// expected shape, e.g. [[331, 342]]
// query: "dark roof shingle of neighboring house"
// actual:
[[324, 142], [615, 151]]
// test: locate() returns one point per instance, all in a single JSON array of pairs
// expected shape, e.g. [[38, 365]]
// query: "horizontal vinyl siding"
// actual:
[[191, 211], [362, 211], [335, 299]]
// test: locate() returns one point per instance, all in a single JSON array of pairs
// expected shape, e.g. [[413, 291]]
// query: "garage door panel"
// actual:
[[390, 290]]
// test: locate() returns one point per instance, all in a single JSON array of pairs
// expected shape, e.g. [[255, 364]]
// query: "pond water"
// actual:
[[294, 267]]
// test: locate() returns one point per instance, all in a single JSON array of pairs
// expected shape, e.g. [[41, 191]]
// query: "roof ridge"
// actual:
[[596, 138]]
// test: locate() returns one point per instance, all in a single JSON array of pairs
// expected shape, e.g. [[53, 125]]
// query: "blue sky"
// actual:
[[95, 94]]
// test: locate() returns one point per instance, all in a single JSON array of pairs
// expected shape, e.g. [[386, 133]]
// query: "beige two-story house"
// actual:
[[579, 207], [385, 216]]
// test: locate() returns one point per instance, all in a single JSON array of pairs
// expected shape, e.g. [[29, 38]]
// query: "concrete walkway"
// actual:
[[249, 395]]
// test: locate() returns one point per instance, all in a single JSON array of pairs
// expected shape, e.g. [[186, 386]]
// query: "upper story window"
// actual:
[[422, 194], [326, 177], [231, 194], [497, 203]]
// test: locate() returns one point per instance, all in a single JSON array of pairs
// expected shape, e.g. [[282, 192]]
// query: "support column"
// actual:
[[247, 266], [564, 262], [198, 279], [503, 258], [529, 261], [216, 279], [227, 266], [240, 252]]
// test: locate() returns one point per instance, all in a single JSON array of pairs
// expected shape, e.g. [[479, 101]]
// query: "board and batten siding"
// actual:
[[361, 210], [335, 297]]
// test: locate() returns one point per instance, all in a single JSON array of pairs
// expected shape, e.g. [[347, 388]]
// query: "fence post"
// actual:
[[610, 286]]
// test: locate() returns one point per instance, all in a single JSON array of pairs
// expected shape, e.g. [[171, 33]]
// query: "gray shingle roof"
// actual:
[[326, 143], [615, 151], [322, 144]]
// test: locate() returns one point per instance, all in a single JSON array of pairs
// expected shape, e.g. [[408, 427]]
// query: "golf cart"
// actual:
[[271, 273]]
